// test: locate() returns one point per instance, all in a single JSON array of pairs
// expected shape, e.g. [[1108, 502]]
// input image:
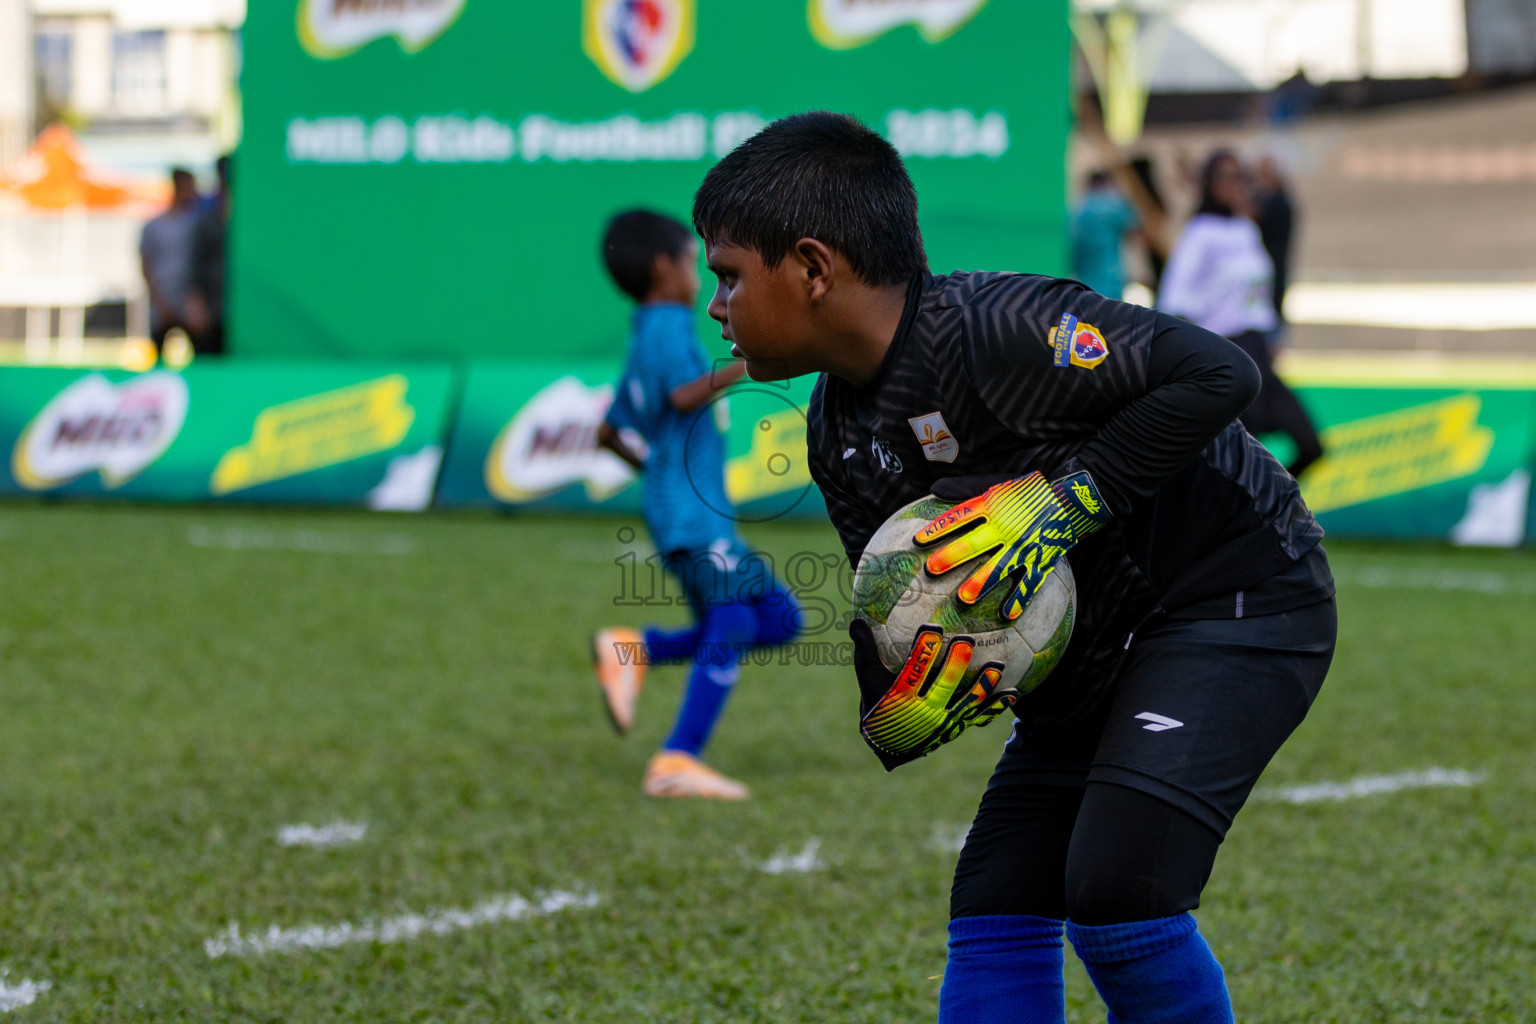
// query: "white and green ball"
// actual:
[[896, 596]]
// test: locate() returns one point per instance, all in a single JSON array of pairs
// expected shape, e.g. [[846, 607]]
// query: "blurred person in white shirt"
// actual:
[[1220, 277]]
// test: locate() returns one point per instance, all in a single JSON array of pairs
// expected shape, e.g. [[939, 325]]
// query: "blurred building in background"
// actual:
[[1415, 222], [98, 100], [1182, 61], [144, 83], [15, 79], [1219, 45]]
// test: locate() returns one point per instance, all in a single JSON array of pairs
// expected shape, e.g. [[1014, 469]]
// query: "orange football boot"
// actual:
[[672, 773], [618, 654]]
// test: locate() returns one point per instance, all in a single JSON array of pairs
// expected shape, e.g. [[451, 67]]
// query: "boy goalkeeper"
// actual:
[[1061, 420]]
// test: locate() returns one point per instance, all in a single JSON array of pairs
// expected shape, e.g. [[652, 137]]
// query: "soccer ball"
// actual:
[[896, 596]]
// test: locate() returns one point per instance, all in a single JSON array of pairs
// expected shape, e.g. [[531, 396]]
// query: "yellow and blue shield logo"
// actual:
[[1075, 343], [637, 43]]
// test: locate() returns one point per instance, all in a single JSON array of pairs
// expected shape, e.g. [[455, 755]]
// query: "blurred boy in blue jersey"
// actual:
[[667, 395]]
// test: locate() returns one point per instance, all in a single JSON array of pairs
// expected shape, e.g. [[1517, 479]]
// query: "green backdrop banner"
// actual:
[[1451, 463], [525, 437], [429, 179], [1422, 462], [358, 433], [1402, 462], [1530, 506]]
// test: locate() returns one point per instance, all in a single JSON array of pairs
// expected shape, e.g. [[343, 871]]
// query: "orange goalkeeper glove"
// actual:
[[1022, 526], [908, 714]]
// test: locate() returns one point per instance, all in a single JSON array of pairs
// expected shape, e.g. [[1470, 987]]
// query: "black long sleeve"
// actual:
[[1197, 384], [1146, 402]]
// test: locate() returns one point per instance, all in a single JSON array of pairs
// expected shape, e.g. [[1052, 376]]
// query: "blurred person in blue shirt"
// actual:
[[667, 405], [1101, 219]]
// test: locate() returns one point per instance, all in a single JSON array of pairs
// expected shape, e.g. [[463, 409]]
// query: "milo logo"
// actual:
[[95, 425], [843, 24], [551, 444], [334, 28]]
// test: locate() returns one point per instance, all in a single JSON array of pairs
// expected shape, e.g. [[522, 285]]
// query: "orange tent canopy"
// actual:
[[52, 176]]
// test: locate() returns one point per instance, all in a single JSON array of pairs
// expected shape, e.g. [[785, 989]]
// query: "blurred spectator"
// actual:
[[1293, 99], [1277, 219], [1142, 167], [206, 272], [210, 202], [1101, 220], [165, 252], [1218, 274], [1220, 277]]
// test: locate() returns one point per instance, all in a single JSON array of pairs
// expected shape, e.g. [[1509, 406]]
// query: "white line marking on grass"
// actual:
[[1438, 579], [231, 942], [950, 838], [323, 837], [1372, 785], [15, 995], [802, 863], [261, 538]]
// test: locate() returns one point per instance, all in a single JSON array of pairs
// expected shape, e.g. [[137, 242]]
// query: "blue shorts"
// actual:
[[733, 574]]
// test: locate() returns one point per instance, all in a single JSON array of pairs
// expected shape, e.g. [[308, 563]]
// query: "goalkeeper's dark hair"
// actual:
[[816, 175], [633, 240]]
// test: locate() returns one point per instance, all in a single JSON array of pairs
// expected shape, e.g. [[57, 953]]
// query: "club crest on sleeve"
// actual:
[[1074, 343], [939, 445]]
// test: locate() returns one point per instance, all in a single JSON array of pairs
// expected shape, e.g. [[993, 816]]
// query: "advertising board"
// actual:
[[364, 433], [430, 179]]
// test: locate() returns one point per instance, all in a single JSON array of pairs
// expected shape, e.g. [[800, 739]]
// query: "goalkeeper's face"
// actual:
[[770, 315]]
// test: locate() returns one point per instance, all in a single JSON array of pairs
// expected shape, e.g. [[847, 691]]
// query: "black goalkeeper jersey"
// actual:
[[1008, 373]]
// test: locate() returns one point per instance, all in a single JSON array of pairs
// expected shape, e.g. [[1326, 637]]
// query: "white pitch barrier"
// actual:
[[1415, 305]]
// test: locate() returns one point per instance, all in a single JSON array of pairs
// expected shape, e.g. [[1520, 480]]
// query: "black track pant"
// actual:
[[1102, 854], [1119, 819], [1277, 409]]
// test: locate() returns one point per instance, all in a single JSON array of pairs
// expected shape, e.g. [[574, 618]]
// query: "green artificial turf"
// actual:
[[167, 704]]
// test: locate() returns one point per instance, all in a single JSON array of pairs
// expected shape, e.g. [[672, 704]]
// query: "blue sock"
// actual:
[[1003, 969], [664, 646], [1154, 972], [709, 686], [726, 631]]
